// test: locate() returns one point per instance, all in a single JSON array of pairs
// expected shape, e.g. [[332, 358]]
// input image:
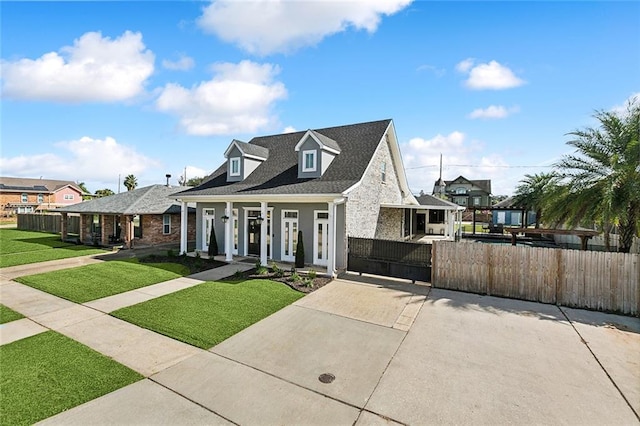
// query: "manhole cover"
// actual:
[[326, 377]]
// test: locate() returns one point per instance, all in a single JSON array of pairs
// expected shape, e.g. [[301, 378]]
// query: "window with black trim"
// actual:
[[166, 224]]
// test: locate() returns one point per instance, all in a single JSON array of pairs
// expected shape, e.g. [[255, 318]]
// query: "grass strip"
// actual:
[[48, 373], [211, 312], [8, 315], [91, 282]]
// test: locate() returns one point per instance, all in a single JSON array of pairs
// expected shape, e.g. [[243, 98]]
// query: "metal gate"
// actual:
[[397, 259]]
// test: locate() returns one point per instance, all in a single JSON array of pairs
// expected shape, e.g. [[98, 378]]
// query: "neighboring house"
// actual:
[[328, 183], [142, 217], [436, 217], [25, 195], [508, 214], [465, 192]]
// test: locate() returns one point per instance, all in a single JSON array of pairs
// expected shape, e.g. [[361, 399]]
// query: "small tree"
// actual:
[[300, 251], [104, 192], [213, 243], [130, 182]]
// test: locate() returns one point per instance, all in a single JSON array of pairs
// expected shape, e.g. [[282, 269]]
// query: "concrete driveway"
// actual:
[[398, 353]]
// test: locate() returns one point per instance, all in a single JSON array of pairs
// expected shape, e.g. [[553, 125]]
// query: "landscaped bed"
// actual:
[[24, 247], [8, 315], [209, 313], [48, 373], [304, 282], [91, 282]]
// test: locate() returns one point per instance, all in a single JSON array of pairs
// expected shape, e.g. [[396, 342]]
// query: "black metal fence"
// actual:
[[390, 258], [47, 223]]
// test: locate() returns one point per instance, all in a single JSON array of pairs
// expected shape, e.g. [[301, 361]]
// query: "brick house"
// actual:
[[329, 183], [142, 217], [25, 195]]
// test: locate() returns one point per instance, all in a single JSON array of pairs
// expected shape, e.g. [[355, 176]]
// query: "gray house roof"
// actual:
[[484, 184], [326, 141], [13, 184], [254, 150], [431, 201], [152, 199], [279, 173]]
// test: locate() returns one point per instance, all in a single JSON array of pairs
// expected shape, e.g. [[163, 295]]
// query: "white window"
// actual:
[[166, 224], [68, 196], [235, 167], [40, 198], [461, 190], [383, 171], [309, 161], [24, 198], [476, 201]]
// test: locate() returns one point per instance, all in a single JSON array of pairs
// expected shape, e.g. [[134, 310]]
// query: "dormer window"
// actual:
[[310, 161], [234, 169]]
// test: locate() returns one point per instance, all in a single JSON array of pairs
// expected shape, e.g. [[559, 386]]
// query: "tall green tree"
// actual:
[[531, 191], [87, 194], [130, 182], [602, 178], [104, 192]]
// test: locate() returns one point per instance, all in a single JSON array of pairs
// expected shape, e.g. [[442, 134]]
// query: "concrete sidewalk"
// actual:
[[14, 272], [397, 353]]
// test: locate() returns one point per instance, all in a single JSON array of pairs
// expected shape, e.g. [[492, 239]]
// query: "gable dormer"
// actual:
[[242, 159], [315, 154]]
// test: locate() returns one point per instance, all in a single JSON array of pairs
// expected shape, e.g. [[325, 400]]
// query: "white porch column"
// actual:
[[184, 214], [447, 223], [410, 224], [331, 235], [228, 233], [263, 233]]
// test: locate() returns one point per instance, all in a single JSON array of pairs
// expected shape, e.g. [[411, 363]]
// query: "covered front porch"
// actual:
[[426, 223], [247, 230]]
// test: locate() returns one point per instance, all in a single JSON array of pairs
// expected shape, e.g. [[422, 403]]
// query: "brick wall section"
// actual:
[[152, 230], [390, 224], [363, 204]]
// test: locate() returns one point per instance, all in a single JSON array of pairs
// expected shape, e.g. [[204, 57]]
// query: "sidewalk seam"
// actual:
[[615, 385]]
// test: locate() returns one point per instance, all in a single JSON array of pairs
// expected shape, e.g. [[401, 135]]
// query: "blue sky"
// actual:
[[96, 90]]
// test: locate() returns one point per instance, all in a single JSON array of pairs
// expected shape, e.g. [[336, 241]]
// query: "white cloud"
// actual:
[[438, 72], [85, 159], [460, 156], [465, 66], [622, 109], [94, 69], [238, 99], [289, 129], [493, 112], [270, 26], [488, 76], [184, 63]]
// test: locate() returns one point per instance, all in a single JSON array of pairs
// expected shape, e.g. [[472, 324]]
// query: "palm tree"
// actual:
[[530, 193], [130, 182], [602, 179]]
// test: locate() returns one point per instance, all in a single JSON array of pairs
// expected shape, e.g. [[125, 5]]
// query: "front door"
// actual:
[[208, 217], [320, 238], [253, 233], [289, 234], [421, 223], [235, 231]]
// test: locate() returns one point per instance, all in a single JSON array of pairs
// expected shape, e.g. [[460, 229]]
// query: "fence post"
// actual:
[[434, 262]]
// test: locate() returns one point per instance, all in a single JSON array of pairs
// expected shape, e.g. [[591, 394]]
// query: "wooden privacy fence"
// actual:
[[582, 279], [47, 223]]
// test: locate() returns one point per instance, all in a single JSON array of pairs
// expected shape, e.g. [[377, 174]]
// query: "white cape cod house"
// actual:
[[328, 183]]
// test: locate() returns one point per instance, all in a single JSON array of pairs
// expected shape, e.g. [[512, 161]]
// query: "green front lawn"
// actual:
[[23, 247], [8, 315], [211, 312], [99, 280], [48, 373]]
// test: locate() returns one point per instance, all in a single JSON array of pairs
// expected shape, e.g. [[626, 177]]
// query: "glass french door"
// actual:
[[321, 238], [208, 217], [289, 235]]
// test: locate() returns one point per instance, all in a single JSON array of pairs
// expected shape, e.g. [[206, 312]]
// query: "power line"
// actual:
[[476, 165]]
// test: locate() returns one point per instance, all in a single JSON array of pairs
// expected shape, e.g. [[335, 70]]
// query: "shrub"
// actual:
[[312, 274], [277, 272], [213, 243], [294, 277], [261, 270], [238, 274], [307, 282], [300, 251], [170, 253]]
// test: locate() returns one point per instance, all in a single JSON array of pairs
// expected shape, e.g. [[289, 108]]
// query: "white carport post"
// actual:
[[228, 233], [184, 210], [331, 261], [263, 233]]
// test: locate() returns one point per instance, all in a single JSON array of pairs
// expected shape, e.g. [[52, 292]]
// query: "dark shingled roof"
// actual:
[[326, 141], [35, 185], [484, 184], [431, 201], [279, 173], [152, 199], [254, 150]]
